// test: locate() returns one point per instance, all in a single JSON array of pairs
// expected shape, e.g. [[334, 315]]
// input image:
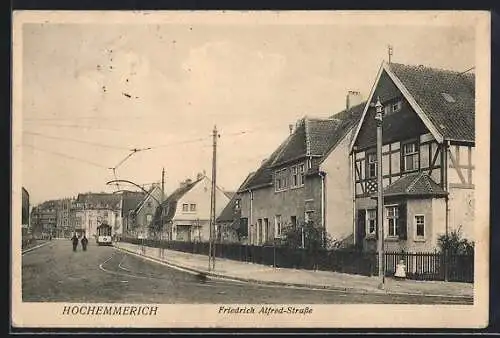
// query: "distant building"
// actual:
[[185, 214], [63, 217], [44, 219], [141, 217], [25, 216], [93, 209], [129, 202]]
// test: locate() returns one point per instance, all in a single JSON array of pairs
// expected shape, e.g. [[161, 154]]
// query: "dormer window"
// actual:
[[448, 97]]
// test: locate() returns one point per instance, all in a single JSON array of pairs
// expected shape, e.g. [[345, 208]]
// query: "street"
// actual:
[[54, 273]]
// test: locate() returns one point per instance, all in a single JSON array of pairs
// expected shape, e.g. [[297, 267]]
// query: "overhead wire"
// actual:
[[65, 156], [75, 140]]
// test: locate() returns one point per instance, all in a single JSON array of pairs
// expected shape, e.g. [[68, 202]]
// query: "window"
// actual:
[[277, 225], [267, 229], [371, 221], [259, 230], [410, 156], [420, 225], [302, 171], [392, 220], [295, 176], [293, 220], [192, 207], [281, 180], [105, 213], [149, 218], [149, 204], [185, 207], [372, 165], [396, 106], [387, 110], [237, 204]]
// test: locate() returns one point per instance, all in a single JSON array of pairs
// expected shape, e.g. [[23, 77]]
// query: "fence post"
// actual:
[[446, 264]]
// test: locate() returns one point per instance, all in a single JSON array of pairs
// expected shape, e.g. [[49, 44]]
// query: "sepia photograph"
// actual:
[[253, 169]]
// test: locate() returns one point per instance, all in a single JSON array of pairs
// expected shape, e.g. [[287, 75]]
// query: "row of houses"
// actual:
[[325, 172], [184, 215]]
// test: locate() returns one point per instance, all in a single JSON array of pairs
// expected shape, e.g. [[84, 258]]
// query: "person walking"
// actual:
[[74, 239], [85, 241]]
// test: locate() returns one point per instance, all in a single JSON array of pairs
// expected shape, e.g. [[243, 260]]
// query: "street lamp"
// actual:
[[380, 198]]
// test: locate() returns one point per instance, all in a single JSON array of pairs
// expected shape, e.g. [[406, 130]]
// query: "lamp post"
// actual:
[[380, 196]]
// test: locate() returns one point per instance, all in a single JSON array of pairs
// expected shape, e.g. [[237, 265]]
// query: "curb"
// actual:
[[294, 285], [35, 247]]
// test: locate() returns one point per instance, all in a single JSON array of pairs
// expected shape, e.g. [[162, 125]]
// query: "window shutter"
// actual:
[[361, 229], [376, 222], [402, 224]]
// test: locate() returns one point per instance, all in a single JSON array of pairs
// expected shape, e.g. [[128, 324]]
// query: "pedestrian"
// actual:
[[84, 243], [74, 239]]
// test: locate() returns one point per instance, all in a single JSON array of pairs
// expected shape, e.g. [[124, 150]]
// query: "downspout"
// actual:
[[250, 231], [322, 174], [444, 161], [446, 145]]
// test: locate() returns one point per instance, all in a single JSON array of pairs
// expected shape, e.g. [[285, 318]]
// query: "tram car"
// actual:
[[104, 234]]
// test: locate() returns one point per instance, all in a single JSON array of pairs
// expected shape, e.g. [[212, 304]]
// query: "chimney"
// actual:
[[290, 126], [199, 176], [353, 98]]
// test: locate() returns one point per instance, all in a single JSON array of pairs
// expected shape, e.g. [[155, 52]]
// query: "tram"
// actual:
[[104, 234]]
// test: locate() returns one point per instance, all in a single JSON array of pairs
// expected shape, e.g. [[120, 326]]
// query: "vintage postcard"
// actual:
[[250, 169]]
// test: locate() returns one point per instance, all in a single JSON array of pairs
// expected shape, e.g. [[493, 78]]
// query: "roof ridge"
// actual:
[[422, 66]]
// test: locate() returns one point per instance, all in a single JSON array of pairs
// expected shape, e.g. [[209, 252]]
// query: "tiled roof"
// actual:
[[102, 199], [228, 213], [312, 136], [131, 200], [170, 203], [150, 193], [454, 120], [415, 184]]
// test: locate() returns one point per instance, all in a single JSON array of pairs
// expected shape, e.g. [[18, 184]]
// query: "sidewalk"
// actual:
[[256, 273], [38, 244]]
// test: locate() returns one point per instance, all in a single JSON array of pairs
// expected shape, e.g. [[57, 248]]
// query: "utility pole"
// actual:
[[211, 249], [389, 51]]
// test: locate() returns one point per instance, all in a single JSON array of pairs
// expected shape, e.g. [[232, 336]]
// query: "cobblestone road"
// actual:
[[54, 273]]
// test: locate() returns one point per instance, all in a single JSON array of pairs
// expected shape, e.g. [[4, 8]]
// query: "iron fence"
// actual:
[[419, 266]]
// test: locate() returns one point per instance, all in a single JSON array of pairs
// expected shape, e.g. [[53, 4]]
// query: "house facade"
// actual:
[[93, 209], [130, 200], [306, 179], [63, 217], [141, 218], [44, 219], [427, 158], [186, 212], [228, 221]]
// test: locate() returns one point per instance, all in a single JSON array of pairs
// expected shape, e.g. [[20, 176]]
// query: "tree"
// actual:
[[307, 236], [454, 244]]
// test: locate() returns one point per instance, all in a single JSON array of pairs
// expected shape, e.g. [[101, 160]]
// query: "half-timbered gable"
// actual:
[[428, 131]]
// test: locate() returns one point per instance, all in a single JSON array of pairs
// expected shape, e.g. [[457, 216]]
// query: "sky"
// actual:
[[91, 92]]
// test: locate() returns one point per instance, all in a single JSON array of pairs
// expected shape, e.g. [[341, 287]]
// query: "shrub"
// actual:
[[454, 244]]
